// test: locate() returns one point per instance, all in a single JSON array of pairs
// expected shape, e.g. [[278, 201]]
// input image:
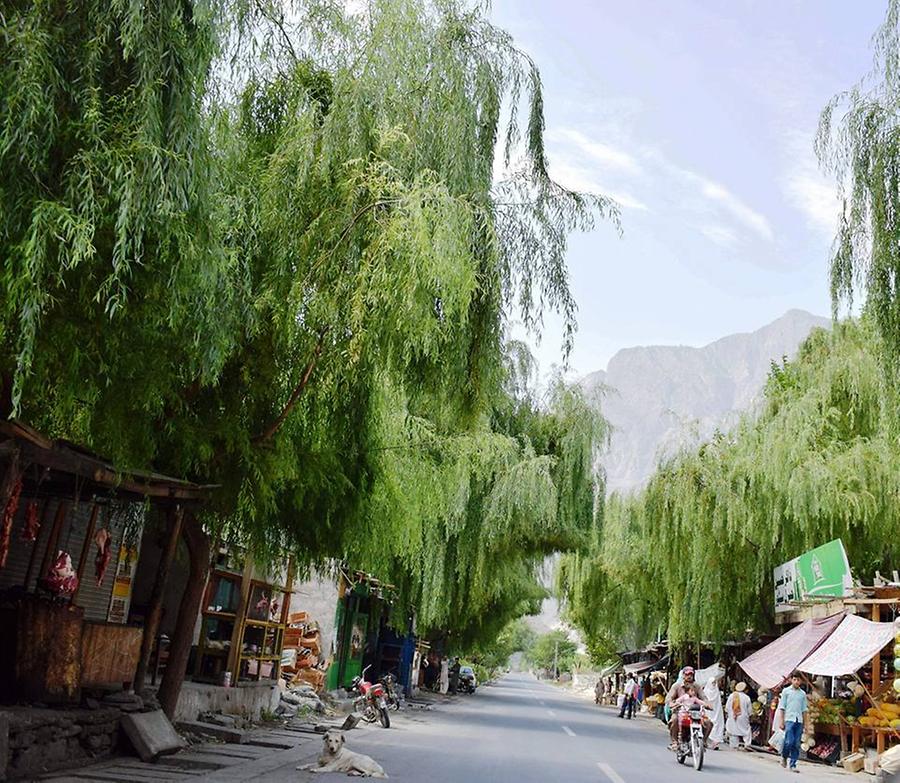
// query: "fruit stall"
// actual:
[[843, 647]]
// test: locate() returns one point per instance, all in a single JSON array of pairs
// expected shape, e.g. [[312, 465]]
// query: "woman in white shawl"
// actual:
[[445, 675], [716, 715], [737, 716]]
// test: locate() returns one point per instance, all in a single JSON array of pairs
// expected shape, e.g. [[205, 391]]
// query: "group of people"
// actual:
[[450, 675], [789, 709]]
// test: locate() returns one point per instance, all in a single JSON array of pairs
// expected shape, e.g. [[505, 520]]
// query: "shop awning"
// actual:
[[774, 662], [639, 666], [849, 647], [611, 669]]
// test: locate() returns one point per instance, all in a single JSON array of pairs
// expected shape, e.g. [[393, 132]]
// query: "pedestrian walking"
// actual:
[[454, 675], [793, 709], [599, 690], [630, 691], [714, 696], [445, 676], [737, 712]]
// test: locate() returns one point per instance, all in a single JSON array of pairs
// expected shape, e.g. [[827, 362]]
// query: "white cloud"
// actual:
[[817, 198], [720, 235], [636, 176], [604, 154], [745, 214], [720, 196], [576, 178], [814, 194]]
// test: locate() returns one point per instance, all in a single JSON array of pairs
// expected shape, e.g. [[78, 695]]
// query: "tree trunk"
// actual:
[[154, 614], [180, 649]]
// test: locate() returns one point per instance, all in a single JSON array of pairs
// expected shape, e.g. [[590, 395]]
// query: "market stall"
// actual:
[[839, 646], [853, 645]]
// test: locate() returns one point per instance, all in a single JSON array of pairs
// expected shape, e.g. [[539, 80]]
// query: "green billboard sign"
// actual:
[[823, 572]]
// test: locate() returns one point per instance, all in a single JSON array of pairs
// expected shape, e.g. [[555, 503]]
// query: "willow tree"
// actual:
[[695, 550], [112, 278], [219, 277], [382, 258], [463, 522], [859, 141]]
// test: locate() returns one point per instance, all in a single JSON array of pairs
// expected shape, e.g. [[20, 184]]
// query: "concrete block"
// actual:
[[151, 734], [351, 721], [211, 730]]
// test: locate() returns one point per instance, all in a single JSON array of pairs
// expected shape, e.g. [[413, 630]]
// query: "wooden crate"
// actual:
[[314, 677]]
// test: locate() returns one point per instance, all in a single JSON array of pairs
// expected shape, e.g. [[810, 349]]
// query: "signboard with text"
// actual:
[[823, 572]]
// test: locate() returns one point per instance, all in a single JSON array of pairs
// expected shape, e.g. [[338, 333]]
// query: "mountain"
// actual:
[[661, 397]]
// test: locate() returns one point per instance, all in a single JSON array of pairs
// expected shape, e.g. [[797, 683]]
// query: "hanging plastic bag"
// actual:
[[889, 761], [777, 740]]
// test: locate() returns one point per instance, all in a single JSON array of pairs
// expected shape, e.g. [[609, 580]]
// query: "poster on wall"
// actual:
[[120, 600], [823, 572]]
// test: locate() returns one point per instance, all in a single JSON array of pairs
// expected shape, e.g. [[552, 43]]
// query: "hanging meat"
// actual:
[[61, 577], [12, 505], [103, 540], [32, 522]]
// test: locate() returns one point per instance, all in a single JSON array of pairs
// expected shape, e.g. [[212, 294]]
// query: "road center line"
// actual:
[[571, 733], [551, 713], [610, 773]]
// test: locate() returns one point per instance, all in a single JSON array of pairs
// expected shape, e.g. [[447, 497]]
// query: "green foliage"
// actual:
[[270, 253], [858, 141], [491, 656], [462, 523], [111, 274], [552, 648], [694, 551]]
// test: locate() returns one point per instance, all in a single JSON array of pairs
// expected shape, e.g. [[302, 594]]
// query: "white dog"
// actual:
[[336, 758]]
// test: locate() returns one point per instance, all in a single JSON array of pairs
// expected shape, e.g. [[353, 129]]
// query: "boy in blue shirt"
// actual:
[[791, 716]]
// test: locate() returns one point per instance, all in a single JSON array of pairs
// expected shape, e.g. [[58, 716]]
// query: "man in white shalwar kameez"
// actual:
[[716, 715], [737, 716]]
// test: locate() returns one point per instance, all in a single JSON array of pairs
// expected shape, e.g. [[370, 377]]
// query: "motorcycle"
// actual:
[[690, 737], [391, 692], [371, 702]]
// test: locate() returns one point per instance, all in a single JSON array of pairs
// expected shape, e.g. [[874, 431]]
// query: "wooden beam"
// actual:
[[53, 539], [876, 661], [872, 601], [233, 662], [86, 547], [70, 461], [34, 547]]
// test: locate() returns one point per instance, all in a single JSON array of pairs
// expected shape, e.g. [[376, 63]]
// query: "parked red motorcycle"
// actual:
[[371, 702]]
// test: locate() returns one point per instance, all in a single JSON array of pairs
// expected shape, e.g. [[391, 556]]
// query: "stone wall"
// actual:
[[43, 740]]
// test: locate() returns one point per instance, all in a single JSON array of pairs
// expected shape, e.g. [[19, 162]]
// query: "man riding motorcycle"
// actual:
[[678, 690]]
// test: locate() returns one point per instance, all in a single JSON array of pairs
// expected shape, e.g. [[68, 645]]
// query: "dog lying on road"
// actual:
[[336, 758]]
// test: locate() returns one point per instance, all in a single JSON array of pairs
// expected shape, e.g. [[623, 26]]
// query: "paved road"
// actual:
[[524, 731]]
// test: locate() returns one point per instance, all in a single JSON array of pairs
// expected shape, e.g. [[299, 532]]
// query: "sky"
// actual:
[[698, 117]]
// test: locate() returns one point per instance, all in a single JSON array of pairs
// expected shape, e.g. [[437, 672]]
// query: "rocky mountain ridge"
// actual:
[[659, 398]]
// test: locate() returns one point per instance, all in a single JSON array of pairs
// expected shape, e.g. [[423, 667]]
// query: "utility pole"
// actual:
[[556, 660]]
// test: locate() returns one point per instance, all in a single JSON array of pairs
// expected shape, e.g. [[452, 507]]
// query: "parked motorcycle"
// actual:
[[468, 682], [371, 702], [690, 737], [392, 694]]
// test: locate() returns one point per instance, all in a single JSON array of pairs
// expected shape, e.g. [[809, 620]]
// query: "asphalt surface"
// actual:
[[524, 731]]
